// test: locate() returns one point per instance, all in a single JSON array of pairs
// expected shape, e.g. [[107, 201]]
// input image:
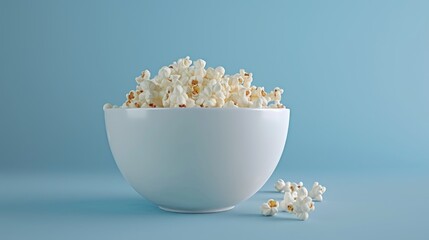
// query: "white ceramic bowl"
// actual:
[[195, 159]]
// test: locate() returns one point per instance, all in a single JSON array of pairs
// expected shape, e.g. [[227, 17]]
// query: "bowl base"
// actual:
[[196, 211]]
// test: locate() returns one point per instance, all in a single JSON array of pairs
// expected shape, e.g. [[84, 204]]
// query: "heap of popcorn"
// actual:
[[296, 199], [186, 85]]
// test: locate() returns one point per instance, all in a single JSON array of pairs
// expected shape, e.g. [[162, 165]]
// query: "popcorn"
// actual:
[[189, 84], [247, 78], [259, 103], [235, 82], [184, 62], [178, 97], [302, 193], [199, 71], [212, 95], [151, 93], [297, 200], [276, 94], [166, 97], [164, 72], [303, 204], [107, 106], [316, 192], [287, 204], [200, 64], [282, 186], [270, 208], [220, 71], [279, 185], [211, 73], [230, 104], [296, 186], [302, 208], [276, 97], [190, 103], [244, 98], [144, 76], [132, 100], [276, 105]]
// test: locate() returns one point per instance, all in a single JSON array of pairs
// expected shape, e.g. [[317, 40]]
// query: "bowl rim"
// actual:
[[197, 109]]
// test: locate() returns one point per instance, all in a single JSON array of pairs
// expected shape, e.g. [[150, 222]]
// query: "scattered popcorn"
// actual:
[[185, 84], [295, 186], [302, 207], [316, 192], [287, 203], [303, 204], [297, 200], [279, 185], [282, 186], [270, 208]]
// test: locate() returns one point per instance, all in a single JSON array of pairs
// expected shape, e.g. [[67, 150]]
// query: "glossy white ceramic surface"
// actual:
[[197, 160]]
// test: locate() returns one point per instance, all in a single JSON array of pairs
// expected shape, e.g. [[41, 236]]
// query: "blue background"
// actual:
[[355, 74]]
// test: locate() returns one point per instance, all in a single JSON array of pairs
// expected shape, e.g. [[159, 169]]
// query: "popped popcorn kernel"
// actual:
[[316, 192], [145, 75], [131, 95], [302, 208], [295, 186], [287, 203], [270, 208], [230, 104], [273, 203], [202, 87], [279, 185], [107, 106]]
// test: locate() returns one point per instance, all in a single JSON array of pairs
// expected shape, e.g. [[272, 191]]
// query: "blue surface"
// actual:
[[374, 205], [355, 75]]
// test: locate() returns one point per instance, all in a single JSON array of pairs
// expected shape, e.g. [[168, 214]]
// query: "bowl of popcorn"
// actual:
[[196, 140]]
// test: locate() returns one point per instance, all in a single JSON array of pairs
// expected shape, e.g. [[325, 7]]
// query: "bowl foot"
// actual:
[[196, 211]]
